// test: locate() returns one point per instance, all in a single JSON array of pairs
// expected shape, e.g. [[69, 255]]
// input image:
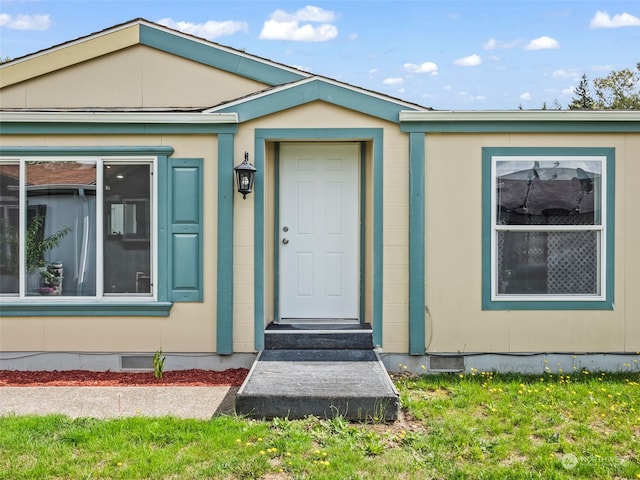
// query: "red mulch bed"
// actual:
[[85, 378]]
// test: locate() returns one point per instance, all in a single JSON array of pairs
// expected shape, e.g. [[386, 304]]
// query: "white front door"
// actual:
[[319, 231]]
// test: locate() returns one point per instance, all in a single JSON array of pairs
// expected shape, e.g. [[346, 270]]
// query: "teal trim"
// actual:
[[416, 244], [85, 309], [151, 150], [162, 173], [487, 154], [185, 213], [363, 211], [493, 126], [258, 241], [226, 190], [215, 56], [46, 128], [313, 90], [276, 234], [337, 134]]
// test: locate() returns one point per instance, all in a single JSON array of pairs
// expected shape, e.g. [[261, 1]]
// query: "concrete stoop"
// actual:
[[314, 379]]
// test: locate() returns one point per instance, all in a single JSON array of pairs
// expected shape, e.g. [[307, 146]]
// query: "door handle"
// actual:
[[285, 241]]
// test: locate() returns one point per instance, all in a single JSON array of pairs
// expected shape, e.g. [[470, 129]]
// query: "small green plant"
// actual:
[[158, 364]]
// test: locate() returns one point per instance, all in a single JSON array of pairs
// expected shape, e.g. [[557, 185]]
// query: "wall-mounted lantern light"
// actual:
[[245, 174]]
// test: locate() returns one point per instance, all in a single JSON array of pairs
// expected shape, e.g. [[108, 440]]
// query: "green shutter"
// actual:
[[185, 236]]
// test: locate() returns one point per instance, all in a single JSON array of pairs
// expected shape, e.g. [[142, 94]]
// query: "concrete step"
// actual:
[[296, 383], [318, 336]]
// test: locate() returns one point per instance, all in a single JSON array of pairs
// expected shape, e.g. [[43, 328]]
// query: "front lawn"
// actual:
[[480, 425]]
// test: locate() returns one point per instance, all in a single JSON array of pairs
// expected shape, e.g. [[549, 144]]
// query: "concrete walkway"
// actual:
[[114, 402]]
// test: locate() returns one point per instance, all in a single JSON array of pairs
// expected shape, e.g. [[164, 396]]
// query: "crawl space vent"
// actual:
[[448, 363], [136, 362]]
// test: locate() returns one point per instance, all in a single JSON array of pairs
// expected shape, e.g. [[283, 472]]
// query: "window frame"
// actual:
[[160, 303], [491, 299]]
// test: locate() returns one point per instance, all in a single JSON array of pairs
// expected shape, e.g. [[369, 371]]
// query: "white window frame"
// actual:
[[99, 267], [601, 230]]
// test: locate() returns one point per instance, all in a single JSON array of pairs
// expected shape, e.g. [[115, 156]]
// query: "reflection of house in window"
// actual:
[[61, 195], [548, 223]]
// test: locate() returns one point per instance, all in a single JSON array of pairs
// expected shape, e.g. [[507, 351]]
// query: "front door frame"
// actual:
[[372, 135]]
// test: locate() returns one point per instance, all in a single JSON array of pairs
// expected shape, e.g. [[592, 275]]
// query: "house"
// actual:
[[491, 240]]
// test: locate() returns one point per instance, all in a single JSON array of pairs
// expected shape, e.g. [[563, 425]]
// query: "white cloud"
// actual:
[[493, 44], [426, 67], [353, 36], [393, 81], [373, 71], [566, 74], [490, 44], [209, 30], [603, 20], [525, 96], [568, 91], [25, 22], [287, 26], [542, 43], [470, 61]]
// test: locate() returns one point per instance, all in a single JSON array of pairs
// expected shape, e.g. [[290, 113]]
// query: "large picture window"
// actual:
[[549, 229], [77, 228]]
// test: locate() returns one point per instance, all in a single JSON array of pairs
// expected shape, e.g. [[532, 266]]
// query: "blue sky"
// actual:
[[458, 55]]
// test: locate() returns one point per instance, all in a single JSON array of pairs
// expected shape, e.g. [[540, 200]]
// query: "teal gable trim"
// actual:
[[224, 311], [519, 127], [212, 56], [487, 303], [53, 128], [416, 244], [310, 91], [337, 134]]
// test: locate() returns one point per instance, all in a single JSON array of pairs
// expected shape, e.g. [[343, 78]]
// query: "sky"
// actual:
[[448, 55]]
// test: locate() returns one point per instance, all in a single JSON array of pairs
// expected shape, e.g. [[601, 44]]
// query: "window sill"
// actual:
[[85, 309], [548, 305]]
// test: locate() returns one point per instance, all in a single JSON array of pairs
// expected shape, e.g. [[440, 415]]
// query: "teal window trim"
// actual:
[[417, 343], [487, 231], [162, 306], [226, 196], [375, 135]]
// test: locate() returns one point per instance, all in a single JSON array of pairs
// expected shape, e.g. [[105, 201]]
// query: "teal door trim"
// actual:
[[375, 135]]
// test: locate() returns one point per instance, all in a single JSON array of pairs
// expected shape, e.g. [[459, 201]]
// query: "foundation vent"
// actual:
[[446, 363], [136, 362]]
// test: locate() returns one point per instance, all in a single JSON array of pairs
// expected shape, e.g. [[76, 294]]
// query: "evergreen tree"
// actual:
[[583, 99]]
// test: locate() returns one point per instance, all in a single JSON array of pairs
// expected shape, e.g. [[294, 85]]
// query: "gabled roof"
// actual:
[[287, 86]]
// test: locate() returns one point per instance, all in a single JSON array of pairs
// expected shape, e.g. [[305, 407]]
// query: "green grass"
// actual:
[[479, 425]]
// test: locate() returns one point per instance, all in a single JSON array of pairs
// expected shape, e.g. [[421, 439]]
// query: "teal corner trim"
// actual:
[[316, 89], [487, 303], [363, 211], [336, 134], [219, 57], [224, 309], [417, 343]]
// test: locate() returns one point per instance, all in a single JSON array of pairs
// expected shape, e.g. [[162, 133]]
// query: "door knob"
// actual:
[[285, 241]]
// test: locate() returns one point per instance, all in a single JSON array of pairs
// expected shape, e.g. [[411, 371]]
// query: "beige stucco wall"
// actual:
[[134, 77], [191, 327], [456, 321], [395, 244]]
